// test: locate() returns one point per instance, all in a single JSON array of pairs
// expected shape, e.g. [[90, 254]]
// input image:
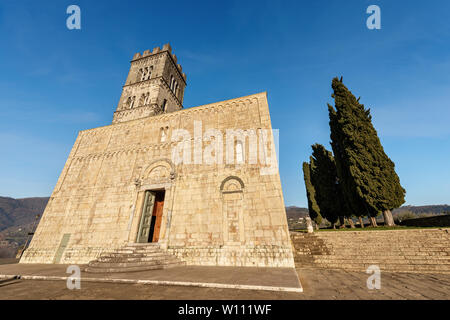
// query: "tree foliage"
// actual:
[[314, 210], [325, 198], [366, 173], [325, 181]]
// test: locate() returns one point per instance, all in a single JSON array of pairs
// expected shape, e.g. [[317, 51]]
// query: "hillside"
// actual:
[[293, 212], [403, 213], [17, 217], [20, 212], [432, 209]]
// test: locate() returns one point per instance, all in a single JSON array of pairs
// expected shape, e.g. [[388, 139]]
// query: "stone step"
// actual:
[[140, 254], [424, 248], [387, 236], [397, 232], [371, 235], [143, 247], [347, 250], [439, 259], [353, 246], [146, 250], [348, 264], [372, 241], [382, 261], [133, 258], [132, 269], [376, 233], [376, 243], [133, 252], [430, 253], [377, 262], [388, 268], [161, 262], [420, 255]]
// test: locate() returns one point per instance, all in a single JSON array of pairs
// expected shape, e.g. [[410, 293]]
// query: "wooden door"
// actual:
[[157, 216], [146, 218]]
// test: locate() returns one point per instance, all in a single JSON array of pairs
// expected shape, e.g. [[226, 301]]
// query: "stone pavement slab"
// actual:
[[318, 284], [272, 279]]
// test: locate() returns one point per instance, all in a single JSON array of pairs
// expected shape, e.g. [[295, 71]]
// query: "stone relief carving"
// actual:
[[158, 171], [232, 184]]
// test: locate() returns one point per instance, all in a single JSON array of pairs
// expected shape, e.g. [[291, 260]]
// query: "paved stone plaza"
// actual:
[[271, 279], [317, 284]]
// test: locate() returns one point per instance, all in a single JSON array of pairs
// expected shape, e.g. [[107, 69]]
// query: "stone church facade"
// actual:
[[158, 174]]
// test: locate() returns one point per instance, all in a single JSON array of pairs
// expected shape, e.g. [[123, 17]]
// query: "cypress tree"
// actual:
[[325, 181], [313, 208], [354, 204], [368, 176], [325, 196]]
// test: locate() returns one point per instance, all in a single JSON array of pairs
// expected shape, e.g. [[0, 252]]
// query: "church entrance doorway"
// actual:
[[152, 211]]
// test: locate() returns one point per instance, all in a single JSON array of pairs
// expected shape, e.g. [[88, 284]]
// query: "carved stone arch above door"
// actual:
[[232, 184], [158, 171]]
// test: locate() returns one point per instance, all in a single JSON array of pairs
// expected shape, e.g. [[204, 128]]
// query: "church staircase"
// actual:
[[134, 257]]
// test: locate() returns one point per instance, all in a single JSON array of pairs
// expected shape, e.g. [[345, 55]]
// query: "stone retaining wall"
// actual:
[[420, 250]]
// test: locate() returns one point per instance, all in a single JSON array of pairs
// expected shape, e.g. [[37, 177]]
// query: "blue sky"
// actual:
[[55, 82]]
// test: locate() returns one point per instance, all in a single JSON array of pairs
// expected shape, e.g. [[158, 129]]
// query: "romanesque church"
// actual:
[[182, 185]]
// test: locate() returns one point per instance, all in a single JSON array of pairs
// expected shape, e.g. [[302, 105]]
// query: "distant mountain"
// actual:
[[17, 218], [20, 212], [294, 212], [433, 209]]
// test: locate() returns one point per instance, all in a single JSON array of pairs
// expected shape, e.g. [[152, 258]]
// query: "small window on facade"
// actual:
[[145, 72], [149, 74], [163, 135], [132, 100], [141, 100], [163, 106], [177, 89], [129, 103], [147, 99]]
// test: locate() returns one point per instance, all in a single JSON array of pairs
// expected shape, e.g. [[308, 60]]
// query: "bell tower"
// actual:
[[155, 85]]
